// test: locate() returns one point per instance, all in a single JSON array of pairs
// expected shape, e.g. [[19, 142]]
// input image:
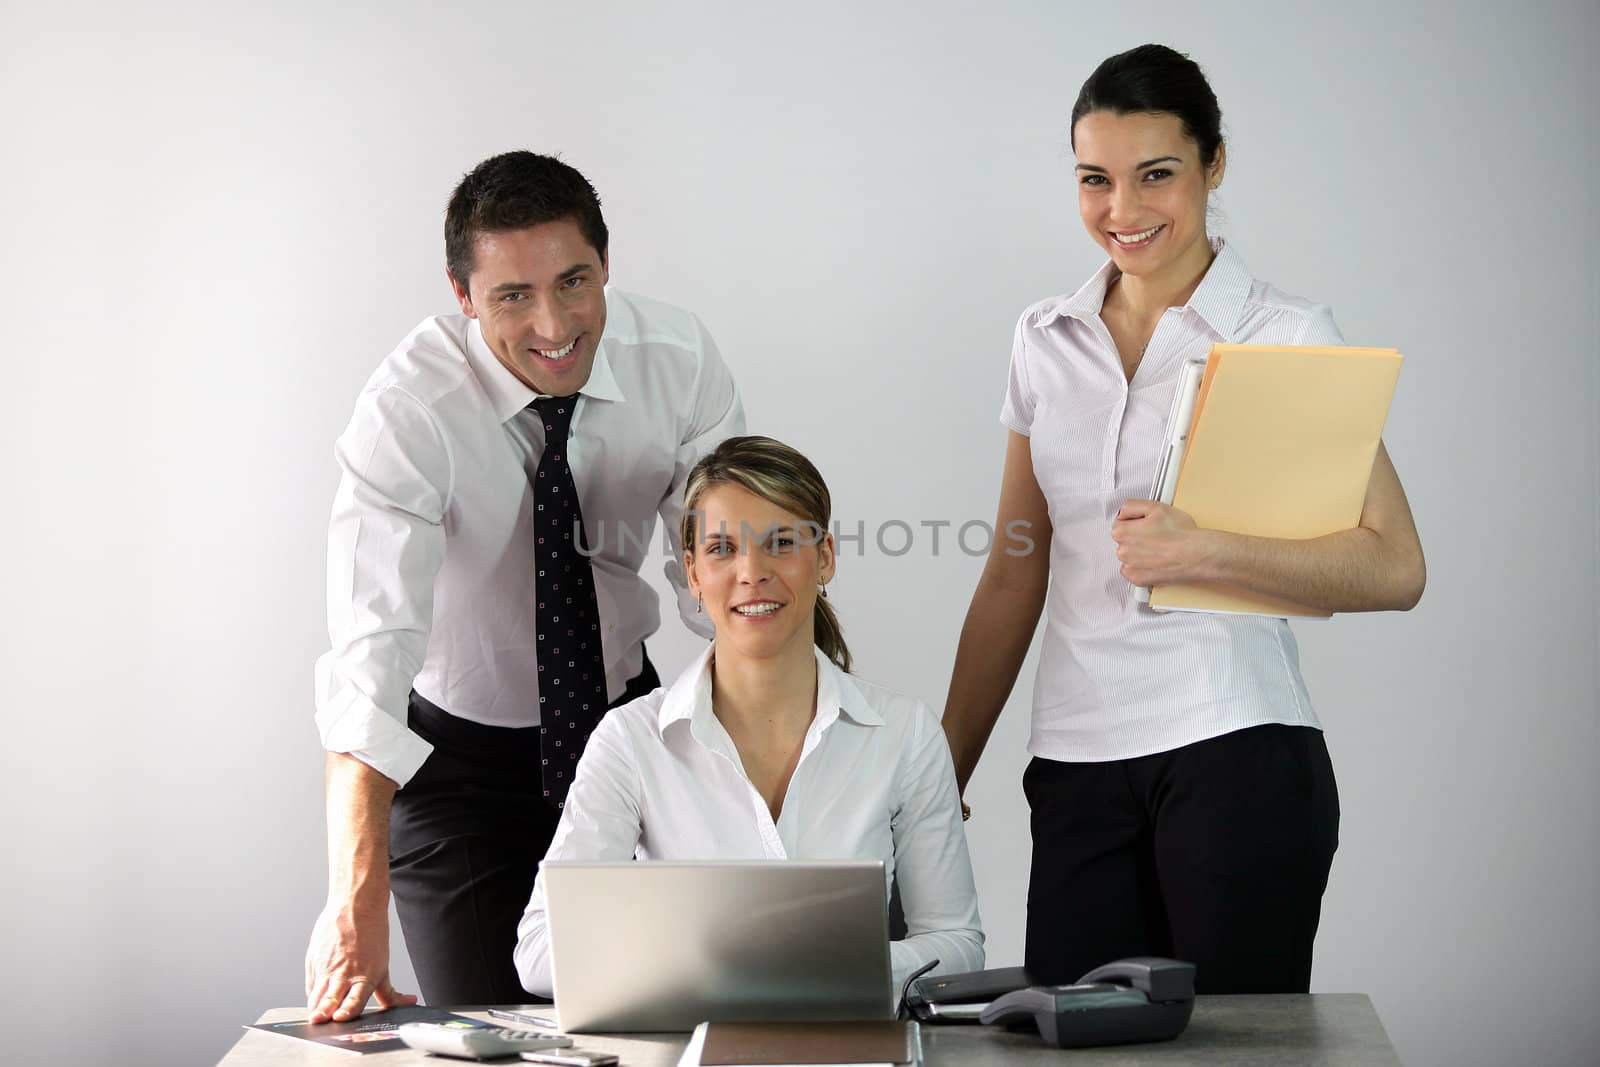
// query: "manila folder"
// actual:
[[1282, 446]]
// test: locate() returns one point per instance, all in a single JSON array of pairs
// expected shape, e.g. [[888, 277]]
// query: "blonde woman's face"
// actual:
[[757, 567]]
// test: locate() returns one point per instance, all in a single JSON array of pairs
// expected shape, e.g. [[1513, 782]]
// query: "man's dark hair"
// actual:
[[1154, 78], [513, 191]]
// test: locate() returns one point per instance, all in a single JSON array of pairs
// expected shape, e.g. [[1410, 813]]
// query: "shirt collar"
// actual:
[[1219, 299], [689, 698], [602, 384], [1084, 304], [508, 394]]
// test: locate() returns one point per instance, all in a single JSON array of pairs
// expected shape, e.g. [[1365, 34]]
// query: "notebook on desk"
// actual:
[[654, 946], [857, 1044]]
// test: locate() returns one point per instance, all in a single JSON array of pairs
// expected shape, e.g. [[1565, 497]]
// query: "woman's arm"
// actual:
[[1378, 566], [599, 822], [931, 862], [1004, 611]]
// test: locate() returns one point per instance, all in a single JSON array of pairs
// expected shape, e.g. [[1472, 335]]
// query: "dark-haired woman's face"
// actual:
[[1142, 192]]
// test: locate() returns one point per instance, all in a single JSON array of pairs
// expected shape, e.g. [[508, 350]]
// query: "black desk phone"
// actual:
[[1134, 1000], [1145, 998]]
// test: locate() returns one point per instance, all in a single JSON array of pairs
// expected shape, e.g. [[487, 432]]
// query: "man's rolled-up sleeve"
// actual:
[[385, 547]]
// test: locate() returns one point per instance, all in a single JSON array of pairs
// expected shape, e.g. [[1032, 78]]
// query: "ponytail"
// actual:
[[830, 635]]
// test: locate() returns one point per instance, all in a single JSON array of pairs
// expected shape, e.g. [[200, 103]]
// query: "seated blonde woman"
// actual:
[[766, 747]]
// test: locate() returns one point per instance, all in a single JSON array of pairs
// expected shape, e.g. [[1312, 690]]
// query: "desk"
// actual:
[[1323, 1028]]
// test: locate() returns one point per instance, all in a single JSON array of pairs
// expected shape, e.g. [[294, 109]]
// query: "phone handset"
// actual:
[[1154, 976], [1144, 998]]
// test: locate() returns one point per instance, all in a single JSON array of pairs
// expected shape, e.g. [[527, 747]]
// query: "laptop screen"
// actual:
[[659, 946]]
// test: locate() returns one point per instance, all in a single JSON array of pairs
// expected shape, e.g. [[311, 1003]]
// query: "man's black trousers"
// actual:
[[466, 835]]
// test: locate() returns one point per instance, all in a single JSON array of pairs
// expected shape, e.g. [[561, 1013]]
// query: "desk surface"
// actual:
[[1323, 1028]]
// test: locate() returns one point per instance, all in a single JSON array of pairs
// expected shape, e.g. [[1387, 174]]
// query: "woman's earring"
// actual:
[[824, 590], [699, 604]]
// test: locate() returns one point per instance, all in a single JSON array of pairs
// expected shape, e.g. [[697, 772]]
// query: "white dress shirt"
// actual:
[[1117, 679], [662, 780], [431, 574]]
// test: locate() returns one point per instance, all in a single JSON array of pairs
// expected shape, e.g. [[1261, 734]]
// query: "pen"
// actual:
[[525, 1017]]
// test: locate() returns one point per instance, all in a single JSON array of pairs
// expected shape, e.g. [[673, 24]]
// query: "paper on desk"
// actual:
[[1282, 446]]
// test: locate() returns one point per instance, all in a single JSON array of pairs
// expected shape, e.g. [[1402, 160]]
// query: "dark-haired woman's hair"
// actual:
[[1154, 78], [778, 474]]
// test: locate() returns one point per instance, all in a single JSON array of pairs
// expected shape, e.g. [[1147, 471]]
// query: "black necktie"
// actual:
[[572, 672]]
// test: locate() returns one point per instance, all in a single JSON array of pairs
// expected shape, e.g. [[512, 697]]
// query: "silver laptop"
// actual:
[[640, 946]]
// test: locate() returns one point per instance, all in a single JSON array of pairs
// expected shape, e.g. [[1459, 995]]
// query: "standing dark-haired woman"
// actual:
[[1182, 799]]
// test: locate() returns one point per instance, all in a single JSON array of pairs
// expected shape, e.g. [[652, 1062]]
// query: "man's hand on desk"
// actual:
[[348, 961]]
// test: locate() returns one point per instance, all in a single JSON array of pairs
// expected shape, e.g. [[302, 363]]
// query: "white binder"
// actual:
[[1179, 421]]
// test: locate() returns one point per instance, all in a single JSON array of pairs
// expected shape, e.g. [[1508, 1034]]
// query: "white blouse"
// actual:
[[1117, 679], [662, 780]]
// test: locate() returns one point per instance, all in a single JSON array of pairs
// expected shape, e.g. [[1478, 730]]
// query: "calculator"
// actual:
[[478, 1043]]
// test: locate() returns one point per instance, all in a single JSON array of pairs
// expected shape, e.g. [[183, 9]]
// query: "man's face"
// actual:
[[539, 294]]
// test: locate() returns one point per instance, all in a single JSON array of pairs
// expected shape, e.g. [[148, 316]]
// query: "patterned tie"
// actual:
[[572, 673]]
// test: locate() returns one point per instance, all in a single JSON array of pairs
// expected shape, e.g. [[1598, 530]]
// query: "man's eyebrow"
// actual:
[[522, 287], [1141, 166]]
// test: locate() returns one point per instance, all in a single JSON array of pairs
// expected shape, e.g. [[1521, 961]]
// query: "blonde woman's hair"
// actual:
[[778, 474]]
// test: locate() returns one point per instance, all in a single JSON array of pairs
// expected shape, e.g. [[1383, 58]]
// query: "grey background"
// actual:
[[218, 219]]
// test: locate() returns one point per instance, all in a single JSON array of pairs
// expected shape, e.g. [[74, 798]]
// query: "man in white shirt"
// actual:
[[450, 541]]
